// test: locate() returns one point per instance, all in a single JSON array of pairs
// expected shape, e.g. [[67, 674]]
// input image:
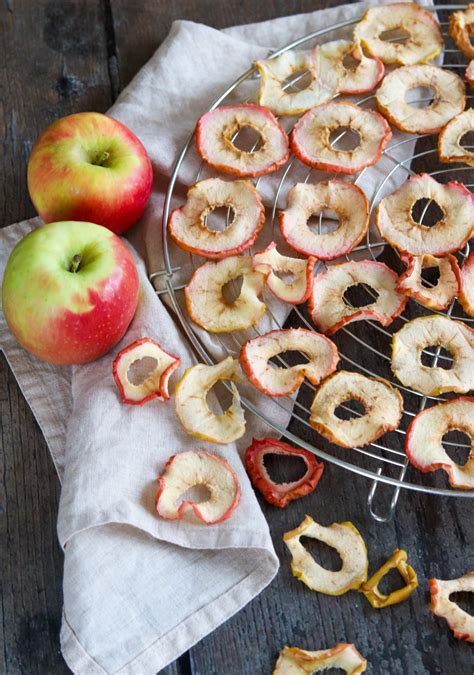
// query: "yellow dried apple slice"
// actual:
[[349, 203], [459, 621], [347, 541], [398, 560], [271, 263], [466, 285], [434, 331], [366, 73], [274, 380], [396, 224], [205, 301], [193, 410], [296, 661], [469, 74], [424, 439], [440, 295], [383, 408], [449, 140], [188, 228], [461, 28]]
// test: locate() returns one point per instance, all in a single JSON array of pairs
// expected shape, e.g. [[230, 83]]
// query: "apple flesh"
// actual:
[[90, 167], [70, 291]]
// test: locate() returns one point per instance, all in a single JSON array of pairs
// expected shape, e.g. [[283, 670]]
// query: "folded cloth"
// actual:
[[139, 591]]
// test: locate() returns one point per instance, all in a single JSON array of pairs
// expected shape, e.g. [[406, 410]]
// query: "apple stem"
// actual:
[[104, 157], [75, 262]]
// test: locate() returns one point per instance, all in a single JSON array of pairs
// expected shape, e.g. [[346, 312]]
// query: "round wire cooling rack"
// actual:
[[385, 461]]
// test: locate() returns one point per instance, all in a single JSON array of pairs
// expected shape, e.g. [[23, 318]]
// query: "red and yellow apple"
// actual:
[[90, 167], [70, 291]]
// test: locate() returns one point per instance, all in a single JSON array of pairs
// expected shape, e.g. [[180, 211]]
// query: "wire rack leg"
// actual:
[[376, 515]]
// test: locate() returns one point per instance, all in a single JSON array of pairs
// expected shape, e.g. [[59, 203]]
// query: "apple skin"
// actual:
[[63, 316], [90, 167]]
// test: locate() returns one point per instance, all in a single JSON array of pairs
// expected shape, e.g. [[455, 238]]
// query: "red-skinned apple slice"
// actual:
[[469, 74], [304, 200], [202, 470], [155, 383], [461, 28], [459, 621], [216, 130], [273, 380], [296, 661], [366, 73], [440, 295], [449, 140], [424, 439], [269, 262], [466, 285]]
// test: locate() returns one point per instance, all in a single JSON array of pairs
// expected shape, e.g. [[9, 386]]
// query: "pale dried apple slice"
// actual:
[[155, 383], [330, 312], [396, 224], [466, 285], [366, 73], [424, 439], [449, 140], [296, 661], [193, 410], [434, 331], [440, 295], [311, 142], [349, 203], [347, 541], [271, 263], [216, 131], [274, 380], [469, 74], [188, 224], [205, 301], [461, 28], [383, 408], [459, 621], [201, 470], [378, 600]]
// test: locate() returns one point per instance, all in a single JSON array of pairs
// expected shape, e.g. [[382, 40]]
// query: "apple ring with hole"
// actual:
[[449, 140], [434, 331], [281, 494], [271, 263], [383, 409], [327, 305], [311, 137], [469, 74], [216, 133], [188, 227], [192, 408], [395, 222], [155, 382], [458, 620], [207, 305], [364, 74], [398, 561], [276, 380], [449, 98], [466, 285], [347, 541], [424, 439], [296, 661], [438, 296], [201, 470], [461, 28], [423, 41], [304, 200]]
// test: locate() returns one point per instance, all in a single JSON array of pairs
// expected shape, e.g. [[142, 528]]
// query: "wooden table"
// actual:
[[65, 56]]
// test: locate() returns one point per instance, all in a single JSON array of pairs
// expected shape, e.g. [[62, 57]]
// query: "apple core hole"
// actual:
[[445, 358], [344, 139], [420, 97], [196, 493], [467, 141], [360, 295], [289, 357], [349, 410], [452, 442], [398, 35], [350, 63], [231, 290], [285, 275], [324, 222], [284, 468], [247, 139], [426, 212], [219, 397], [392, 581], [465, 600], [141, 369], [325, 555], [219, 218], [430, 276], [297, 81]]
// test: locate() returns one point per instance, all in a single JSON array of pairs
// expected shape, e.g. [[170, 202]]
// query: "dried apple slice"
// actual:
[[187, 225], [366, 73], [449, 98], [347, 541], [155, 382], [280, 494], [296, 661], [466, 285], [310, 138], [205, 301], [434, 331], [396, 224], [269, 262], [459, 621], [424, 439], [469, 74], [202, 470], [350, 205], [398, 560], [383, 408], [440, 295], [216, 130], [449, 140], [461, 28], [328, 308], [282, 381], [424, 40], [193, 410]]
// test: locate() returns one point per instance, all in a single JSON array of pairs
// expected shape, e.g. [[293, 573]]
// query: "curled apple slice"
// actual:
[[461, 28], [424, 439], [280, 494], [383, 408], [311, 137], [330, 311], [434, 331], [396, 224], [449, 140], [205, 301], [274, 380], [216, 132], [188, 225], [466, 285], [193, 410], [459, 621], [363, 75], [271, 263], [398, 560], [155, 383], [347, 541], [469, 74], [296, 661], [197, 469], [349, 203], [439, 296]]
